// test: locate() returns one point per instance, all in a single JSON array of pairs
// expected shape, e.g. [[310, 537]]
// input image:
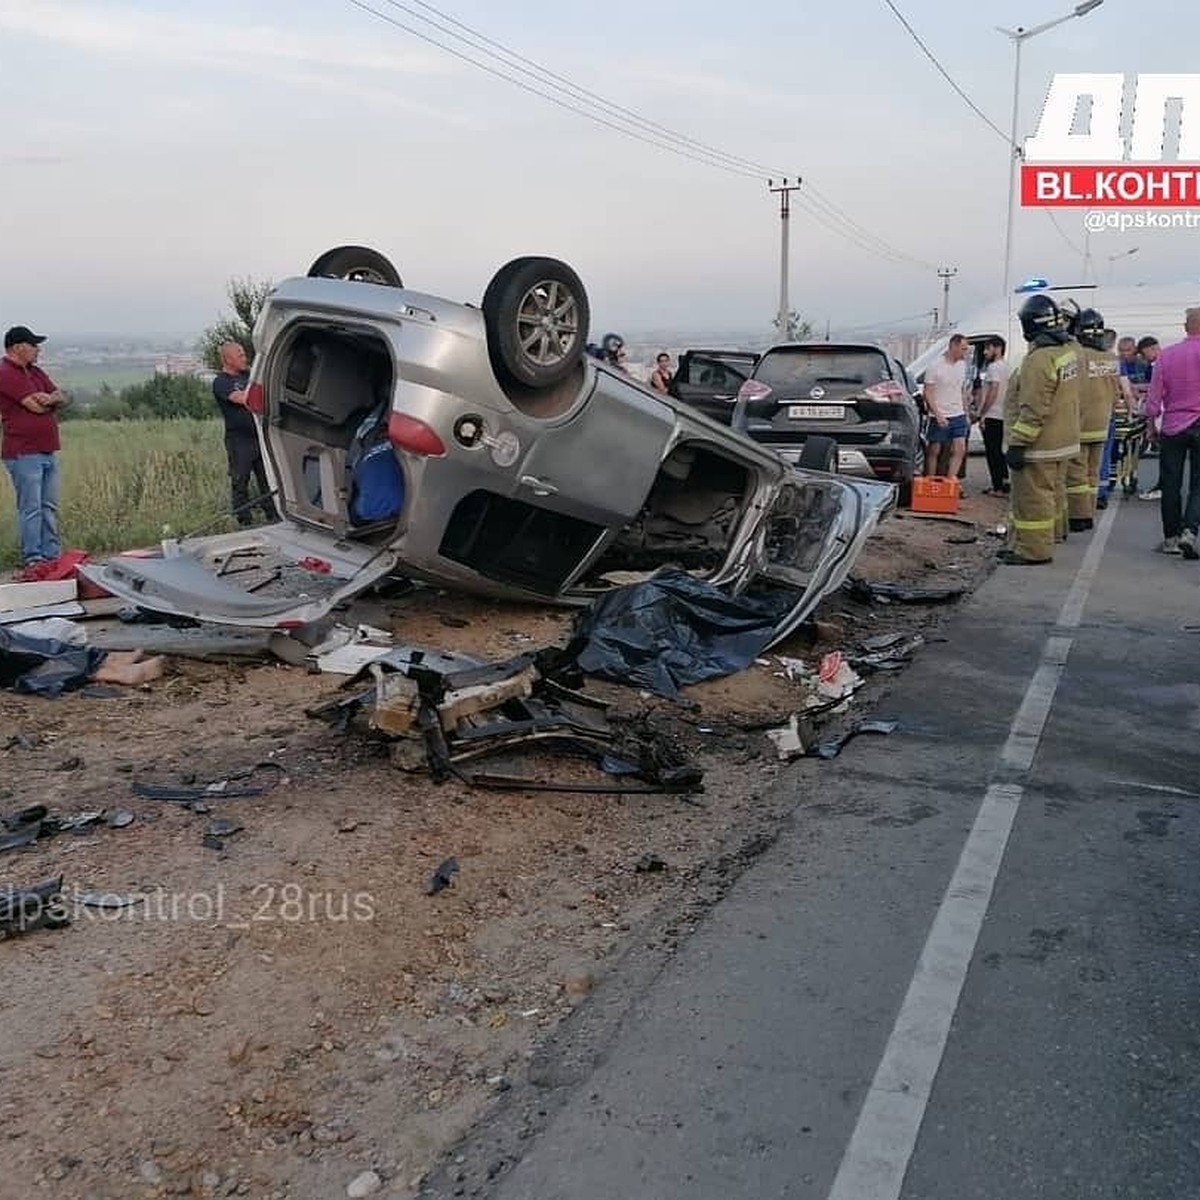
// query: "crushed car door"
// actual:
[[814, 531], [276, 577], [599, 462]]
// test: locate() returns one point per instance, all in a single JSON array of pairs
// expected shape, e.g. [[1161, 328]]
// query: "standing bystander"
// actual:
[[29, 403], [242, 449], [661, 376], [945, 379], [991, 412], [1175, 400]]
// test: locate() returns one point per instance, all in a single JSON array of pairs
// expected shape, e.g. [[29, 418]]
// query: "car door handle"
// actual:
[[539, 487]]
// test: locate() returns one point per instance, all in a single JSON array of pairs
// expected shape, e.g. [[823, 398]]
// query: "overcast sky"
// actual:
[[154, 148]]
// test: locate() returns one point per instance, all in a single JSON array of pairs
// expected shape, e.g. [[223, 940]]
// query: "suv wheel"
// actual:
[[819, 454], [357, 263], [536, 314]]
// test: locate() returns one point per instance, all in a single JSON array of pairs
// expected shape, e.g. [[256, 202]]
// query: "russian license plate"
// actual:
[[818, 412]]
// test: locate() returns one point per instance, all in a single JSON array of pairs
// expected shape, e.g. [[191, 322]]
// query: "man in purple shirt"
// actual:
[[1175, 397]]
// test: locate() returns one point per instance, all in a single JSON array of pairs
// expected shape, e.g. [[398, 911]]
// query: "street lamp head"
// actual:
[[1082, 10]]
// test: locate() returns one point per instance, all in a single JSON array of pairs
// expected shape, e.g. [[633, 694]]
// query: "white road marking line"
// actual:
[[1025, 733], [881, 1146], [1072, 609], [877, 1158]]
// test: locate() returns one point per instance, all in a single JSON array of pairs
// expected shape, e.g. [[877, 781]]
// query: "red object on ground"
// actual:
[[65, 566], [317, 565]]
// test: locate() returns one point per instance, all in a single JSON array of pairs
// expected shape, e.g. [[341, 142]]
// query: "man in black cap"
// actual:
[[29, 402]]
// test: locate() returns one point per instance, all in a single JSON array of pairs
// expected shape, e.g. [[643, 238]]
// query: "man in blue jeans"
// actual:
[[28, 404]]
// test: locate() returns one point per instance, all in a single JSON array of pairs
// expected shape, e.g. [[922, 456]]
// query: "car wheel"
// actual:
[[357, 263], [819, 454], [536, 314]]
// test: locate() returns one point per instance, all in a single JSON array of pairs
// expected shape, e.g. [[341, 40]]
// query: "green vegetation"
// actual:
[[122, 482], [246, 297]]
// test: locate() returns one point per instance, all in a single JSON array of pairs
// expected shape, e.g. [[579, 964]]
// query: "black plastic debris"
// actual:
[[189, 795], [834, 747], [443, 877], [44, 667], [894, 655], [650, 864], [673, 630], [901, 593], [39, 907]]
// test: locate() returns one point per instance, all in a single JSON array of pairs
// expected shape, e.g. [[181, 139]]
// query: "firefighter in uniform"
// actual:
[[1099, 390], [1041, 420]]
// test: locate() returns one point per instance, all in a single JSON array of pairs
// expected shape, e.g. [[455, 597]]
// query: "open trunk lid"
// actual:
[[276, 577]]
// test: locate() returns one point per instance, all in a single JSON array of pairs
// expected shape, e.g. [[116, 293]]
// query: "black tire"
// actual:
[[357, 263], [536, 314], [819, 454]]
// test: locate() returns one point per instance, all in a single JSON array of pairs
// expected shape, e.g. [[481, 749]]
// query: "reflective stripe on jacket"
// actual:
[[1099, 390], [1041, 409]]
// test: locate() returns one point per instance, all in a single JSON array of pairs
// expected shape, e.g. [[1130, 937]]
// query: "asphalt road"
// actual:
[[969, 969]]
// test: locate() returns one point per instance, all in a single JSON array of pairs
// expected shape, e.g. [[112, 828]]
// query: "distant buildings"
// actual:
[[182, 364]]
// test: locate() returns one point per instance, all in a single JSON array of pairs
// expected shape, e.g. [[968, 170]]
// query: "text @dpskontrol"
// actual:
[[260, 904]]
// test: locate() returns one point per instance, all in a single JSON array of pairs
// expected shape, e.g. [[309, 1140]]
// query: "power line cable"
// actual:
[[1059, 230], [557, 100], [916, 37], [582, 93], [620, 119]]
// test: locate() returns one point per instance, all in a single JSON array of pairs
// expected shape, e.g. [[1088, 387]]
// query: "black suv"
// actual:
[[837, 406]]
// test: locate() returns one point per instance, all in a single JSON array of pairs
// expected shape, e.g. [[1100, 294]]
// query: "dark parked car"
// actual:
[[830, 406], [711, 379]]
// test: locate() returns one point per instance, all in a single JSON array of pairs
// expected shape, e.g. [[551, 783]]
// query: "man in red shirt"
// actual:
[[28, 404]]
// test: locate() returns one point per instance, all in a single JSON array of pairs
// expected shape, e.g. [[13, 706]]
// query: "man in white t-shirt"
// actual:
[[991, 412], [945, 379]]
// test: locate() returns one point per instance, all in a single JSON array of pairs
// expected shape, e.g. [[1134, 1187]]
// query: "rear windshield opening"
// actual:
[[327, 383], [808, 368], [329, 397]]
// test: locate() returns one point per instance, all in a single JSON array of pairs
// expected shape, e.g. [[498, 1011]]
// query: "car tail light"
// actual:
[[407, 433], [256, 399], [888, 390], [753, 390]]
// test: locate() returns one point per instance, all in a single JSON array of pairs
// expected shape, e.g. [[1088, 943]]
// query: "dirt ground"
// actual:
[[275, 1017]]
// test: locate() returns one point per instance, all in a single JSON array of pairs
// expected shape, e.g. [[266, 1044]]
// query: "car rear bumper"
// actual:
[[891, 463]]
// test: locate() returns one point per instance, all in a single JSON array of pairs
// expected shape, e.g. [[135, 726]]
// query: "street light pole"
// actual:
[[1019, 37], [1112, 258]]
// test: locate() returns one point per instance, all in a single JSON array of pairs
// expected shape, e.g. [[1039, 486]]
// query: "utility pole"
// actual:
[[945, 274], [785, 321]]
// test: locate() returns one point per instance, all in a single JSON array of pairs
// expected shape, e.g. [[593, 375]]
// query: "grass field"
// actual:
[[91, 377], [122, 481]]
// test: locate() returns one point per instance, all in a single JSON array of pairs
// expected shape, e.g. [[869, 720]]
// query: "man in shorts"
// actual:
[[945, 379]]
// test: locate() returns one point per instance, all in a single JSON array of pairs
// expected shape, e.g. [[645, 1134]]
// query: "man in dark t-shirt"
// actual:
[[241, 437]]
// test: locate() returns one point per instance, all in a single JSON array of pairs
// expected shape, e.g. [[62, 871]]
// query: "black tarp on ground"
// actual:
[[673, 630], [44, 667]]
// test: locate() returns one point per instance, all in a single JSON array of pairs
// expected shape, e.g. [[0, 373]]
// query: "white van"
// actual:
[[1148, 310]]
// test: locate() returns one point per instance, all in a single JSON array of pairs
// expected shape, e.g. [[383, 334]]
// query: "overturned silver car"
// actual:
[[513, 464]]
